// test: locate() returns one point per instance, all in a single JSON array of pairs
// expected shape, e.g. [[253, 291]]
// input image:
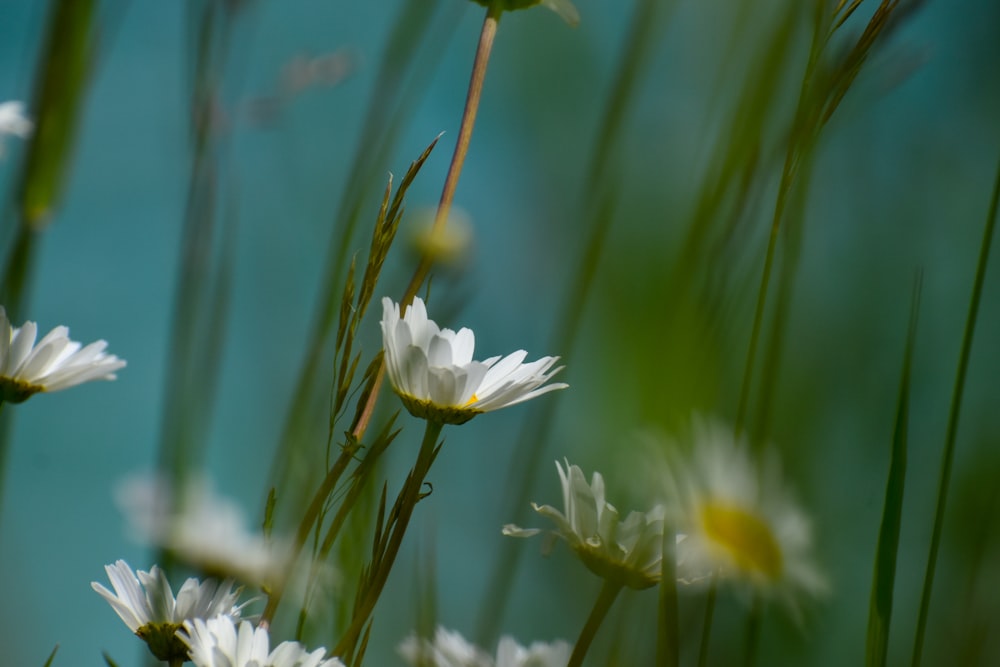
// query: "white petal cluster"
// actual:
[[742, 526], [217, 642], [629, 552], [146, 603], [14, 121], [55, 363], [450, 649], [202, 529], [433, 371]]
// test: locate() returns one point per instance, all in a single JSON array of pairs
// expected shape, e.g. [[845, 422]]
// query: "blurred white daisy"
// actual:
[[14, 121], [217, 642], [741, 524], [55, 363], [450, 649], [539, 654], [434, 374], [202, 529], [145, 602], [628, 552]]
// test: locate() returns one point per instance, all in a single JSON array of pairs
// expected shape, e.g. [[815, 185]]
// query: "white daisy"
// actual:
[[434, 374], [628, 552], [218, 643], [14, 121], [145, 602], [450, 649], [539, 654], [55, 363], [202, 529], [741, 524]]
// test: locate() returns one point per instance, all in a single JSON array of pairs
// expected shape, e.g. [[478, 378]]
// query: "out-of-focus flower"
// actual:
[[564, 8], [449, 245], [450, 649], [627, 552], [434, 374], [202, 529], [218, 643], [147, 605], [740, 522], [539, 654], [55, 363], [14, 121]]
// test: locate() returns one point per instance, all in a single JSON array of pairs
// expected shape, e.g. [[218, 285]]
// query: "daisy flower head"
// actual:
[[55, 363], [202, 529], [627, 552], [145, 602], [217, 642], [432, 370], [741, 525], [450, 649]]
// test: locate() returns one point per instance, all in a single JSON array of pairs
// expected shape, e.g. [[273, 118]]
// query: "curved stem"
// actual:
[[606, 597]]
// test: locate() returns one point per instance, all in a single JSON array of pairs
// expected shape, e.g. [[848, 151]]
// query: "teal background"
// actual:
[[902, 181]]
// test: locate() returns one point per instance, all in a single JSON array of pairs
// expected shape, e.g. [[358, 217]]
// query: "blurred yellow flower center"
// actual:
[[472, 400], [745, 537]]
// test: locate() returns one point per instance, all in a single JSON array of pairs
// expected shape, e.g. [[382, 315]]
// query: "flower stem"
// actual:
[[609, 591], [387, 547], [668, 635], [482, 59], [706, 628]]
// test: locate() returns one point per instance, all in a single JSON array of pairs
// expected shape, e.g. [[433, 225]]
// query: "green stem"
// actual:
[[387, 548], [706, 628], [956, 404], [668, 637], [609, 591]]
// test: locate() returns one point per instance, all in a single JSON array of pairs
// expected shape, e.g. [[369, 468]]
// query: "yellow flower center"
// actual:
[[745, 537], [471, 400]]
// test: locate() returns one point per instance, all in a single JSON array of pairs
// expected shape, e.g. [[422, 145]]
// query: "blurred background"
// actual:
[[620, 191]]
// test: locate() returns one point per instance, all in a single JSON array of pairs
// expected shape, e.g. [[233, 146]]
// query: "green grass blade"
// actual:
[[956, 402], [884, 578]]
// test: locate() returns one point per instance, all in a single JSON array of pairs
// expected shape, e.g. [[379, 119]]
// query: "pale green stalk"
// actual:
[[609, 592]]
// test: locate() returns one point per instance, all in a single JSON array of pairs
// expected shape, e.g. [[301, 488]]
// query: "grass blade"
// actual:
[[956, 403], [884, 578]]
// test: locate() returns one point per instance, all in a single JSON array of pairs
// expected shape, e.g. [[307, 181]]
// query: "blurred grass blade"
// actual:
[[61, 85], [646, 26], [883, 581], [948, 455], [668, 633], [52, 656], [401, 80]]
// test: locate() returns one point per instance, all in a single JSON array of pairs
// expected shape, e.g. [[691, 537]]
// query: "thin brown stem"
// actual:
[[482, 59]]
